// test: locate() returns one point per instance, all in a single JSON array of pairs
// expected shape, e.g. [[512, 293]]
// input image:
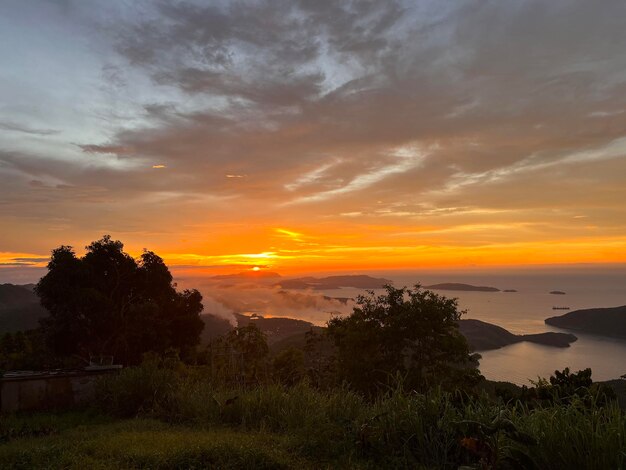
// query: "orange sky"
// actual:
[[332, 136]]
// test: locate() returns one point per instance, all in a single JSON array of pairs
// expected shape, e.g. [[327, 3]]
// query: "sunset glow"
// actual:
[[334, 144]]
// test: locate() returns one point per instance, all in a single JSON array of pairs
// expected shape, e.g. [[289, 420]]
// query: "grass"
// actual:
[[576, 437], [147, 443], [184, 421]]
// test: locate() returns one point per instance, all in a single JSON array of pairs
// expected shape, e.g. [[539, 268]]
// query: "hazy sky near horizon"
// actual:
[[304, 135]]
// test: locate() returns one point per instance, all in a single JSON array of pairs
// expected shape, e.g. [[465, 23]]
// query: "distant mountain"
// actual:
[[246, 276], [600, 321], [275, 328], [214, 326], [19, 308], [483, 336], [334, 282], [462, 287]]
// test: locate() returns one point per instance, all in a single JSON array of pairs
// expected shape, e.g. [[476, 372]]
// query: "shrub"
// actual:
[[145, 389], [288, 366]]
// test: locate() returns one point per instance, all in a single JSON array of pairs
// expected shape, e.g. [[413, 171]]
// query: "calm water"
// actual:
[[525, 311]]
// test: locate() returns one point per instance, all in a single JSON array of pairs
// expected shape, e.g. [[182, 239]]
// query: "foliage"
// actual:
[[436, 429], [240, 356], [107, 303], [288, 366], [563, 387], [146, 389], [410, 331], [27, 350], [319, 359], [499, 444]]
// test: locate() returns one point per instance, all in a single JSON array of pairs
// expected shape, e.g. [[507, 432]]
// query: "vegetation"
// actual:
[[145, 443], [412, 332], [240, 356], [393, 385], [107, 303], [26, 350], [163, 414]]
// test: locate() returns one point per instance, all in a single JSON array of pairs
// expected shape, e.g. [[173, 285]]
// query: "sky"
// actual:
[[314, 135]]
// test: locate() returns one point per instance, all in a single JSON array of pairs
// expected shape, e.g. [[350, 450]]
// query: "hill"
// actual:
[[19, 308], [462, 287], [600, 321], [484, 336], [276, 329], [480, 335], [334, 282], [214, 326]]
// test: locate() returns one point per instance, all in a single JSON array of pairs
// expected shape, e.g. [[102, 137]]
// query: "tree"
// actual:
[[413, 332], [288, 366], [240, 356], [108, 303]]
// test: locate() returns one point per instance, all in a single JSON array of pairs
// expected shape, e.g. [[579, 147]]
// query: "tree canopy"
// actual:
[[413, 332], [108, 303]]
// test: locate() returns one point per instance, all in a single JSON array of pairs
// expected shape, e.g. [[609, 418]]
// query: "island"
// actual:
[[284, 332], [509, 290], [461, 287], [600, 321], [483, 336], [557, 292]]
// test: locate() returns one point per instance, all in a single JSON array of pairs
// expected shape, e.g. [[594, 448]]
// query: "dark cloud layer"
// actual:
[[487, 86]]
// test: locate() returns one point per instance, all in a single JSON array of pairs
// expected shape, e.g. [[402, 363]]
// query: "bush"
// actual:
[[288, 366], [146, 389], [436, 429]]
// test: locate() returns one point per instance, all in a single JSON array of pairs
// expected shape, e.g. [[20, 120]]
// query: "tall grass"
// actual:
[[576, 436], [399, 429]]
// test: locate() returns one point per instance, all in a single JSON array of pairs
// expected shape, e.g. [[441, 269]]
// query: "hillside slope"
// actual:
[[19, 308], [600, 321]]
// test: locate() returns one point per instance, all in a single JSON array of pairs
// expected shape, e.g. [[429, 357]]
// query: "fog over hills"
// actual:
[[19, 308]]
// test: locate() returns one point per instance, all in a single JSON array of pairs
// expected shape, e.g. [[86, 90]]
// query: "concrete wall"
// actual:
[[44, 393]]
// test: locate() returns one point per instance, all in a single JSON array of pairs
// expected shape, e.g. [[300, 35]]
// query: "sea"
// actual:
[[524, 312]]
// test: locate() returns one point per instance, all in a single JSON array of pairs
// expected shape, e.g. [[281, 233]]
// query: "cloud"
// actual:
[[433, 82], [378, 117], [267, 300], [32, 260], [12, 126]]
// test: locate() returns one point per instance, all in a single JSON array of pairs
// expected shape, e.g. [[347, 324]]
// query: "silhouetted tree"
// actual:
[[564, 386], [411, 332], [240, 356], [319, 358], [288, 366], [108, 303]]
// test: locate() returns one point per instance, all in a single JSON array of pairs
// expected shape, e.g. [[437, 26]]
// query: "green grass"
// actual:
[[192, 423], [145, 443]]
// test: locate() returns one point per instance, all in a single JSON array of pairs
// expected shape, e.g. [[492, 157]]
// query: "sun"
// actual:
[[256, 268]]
